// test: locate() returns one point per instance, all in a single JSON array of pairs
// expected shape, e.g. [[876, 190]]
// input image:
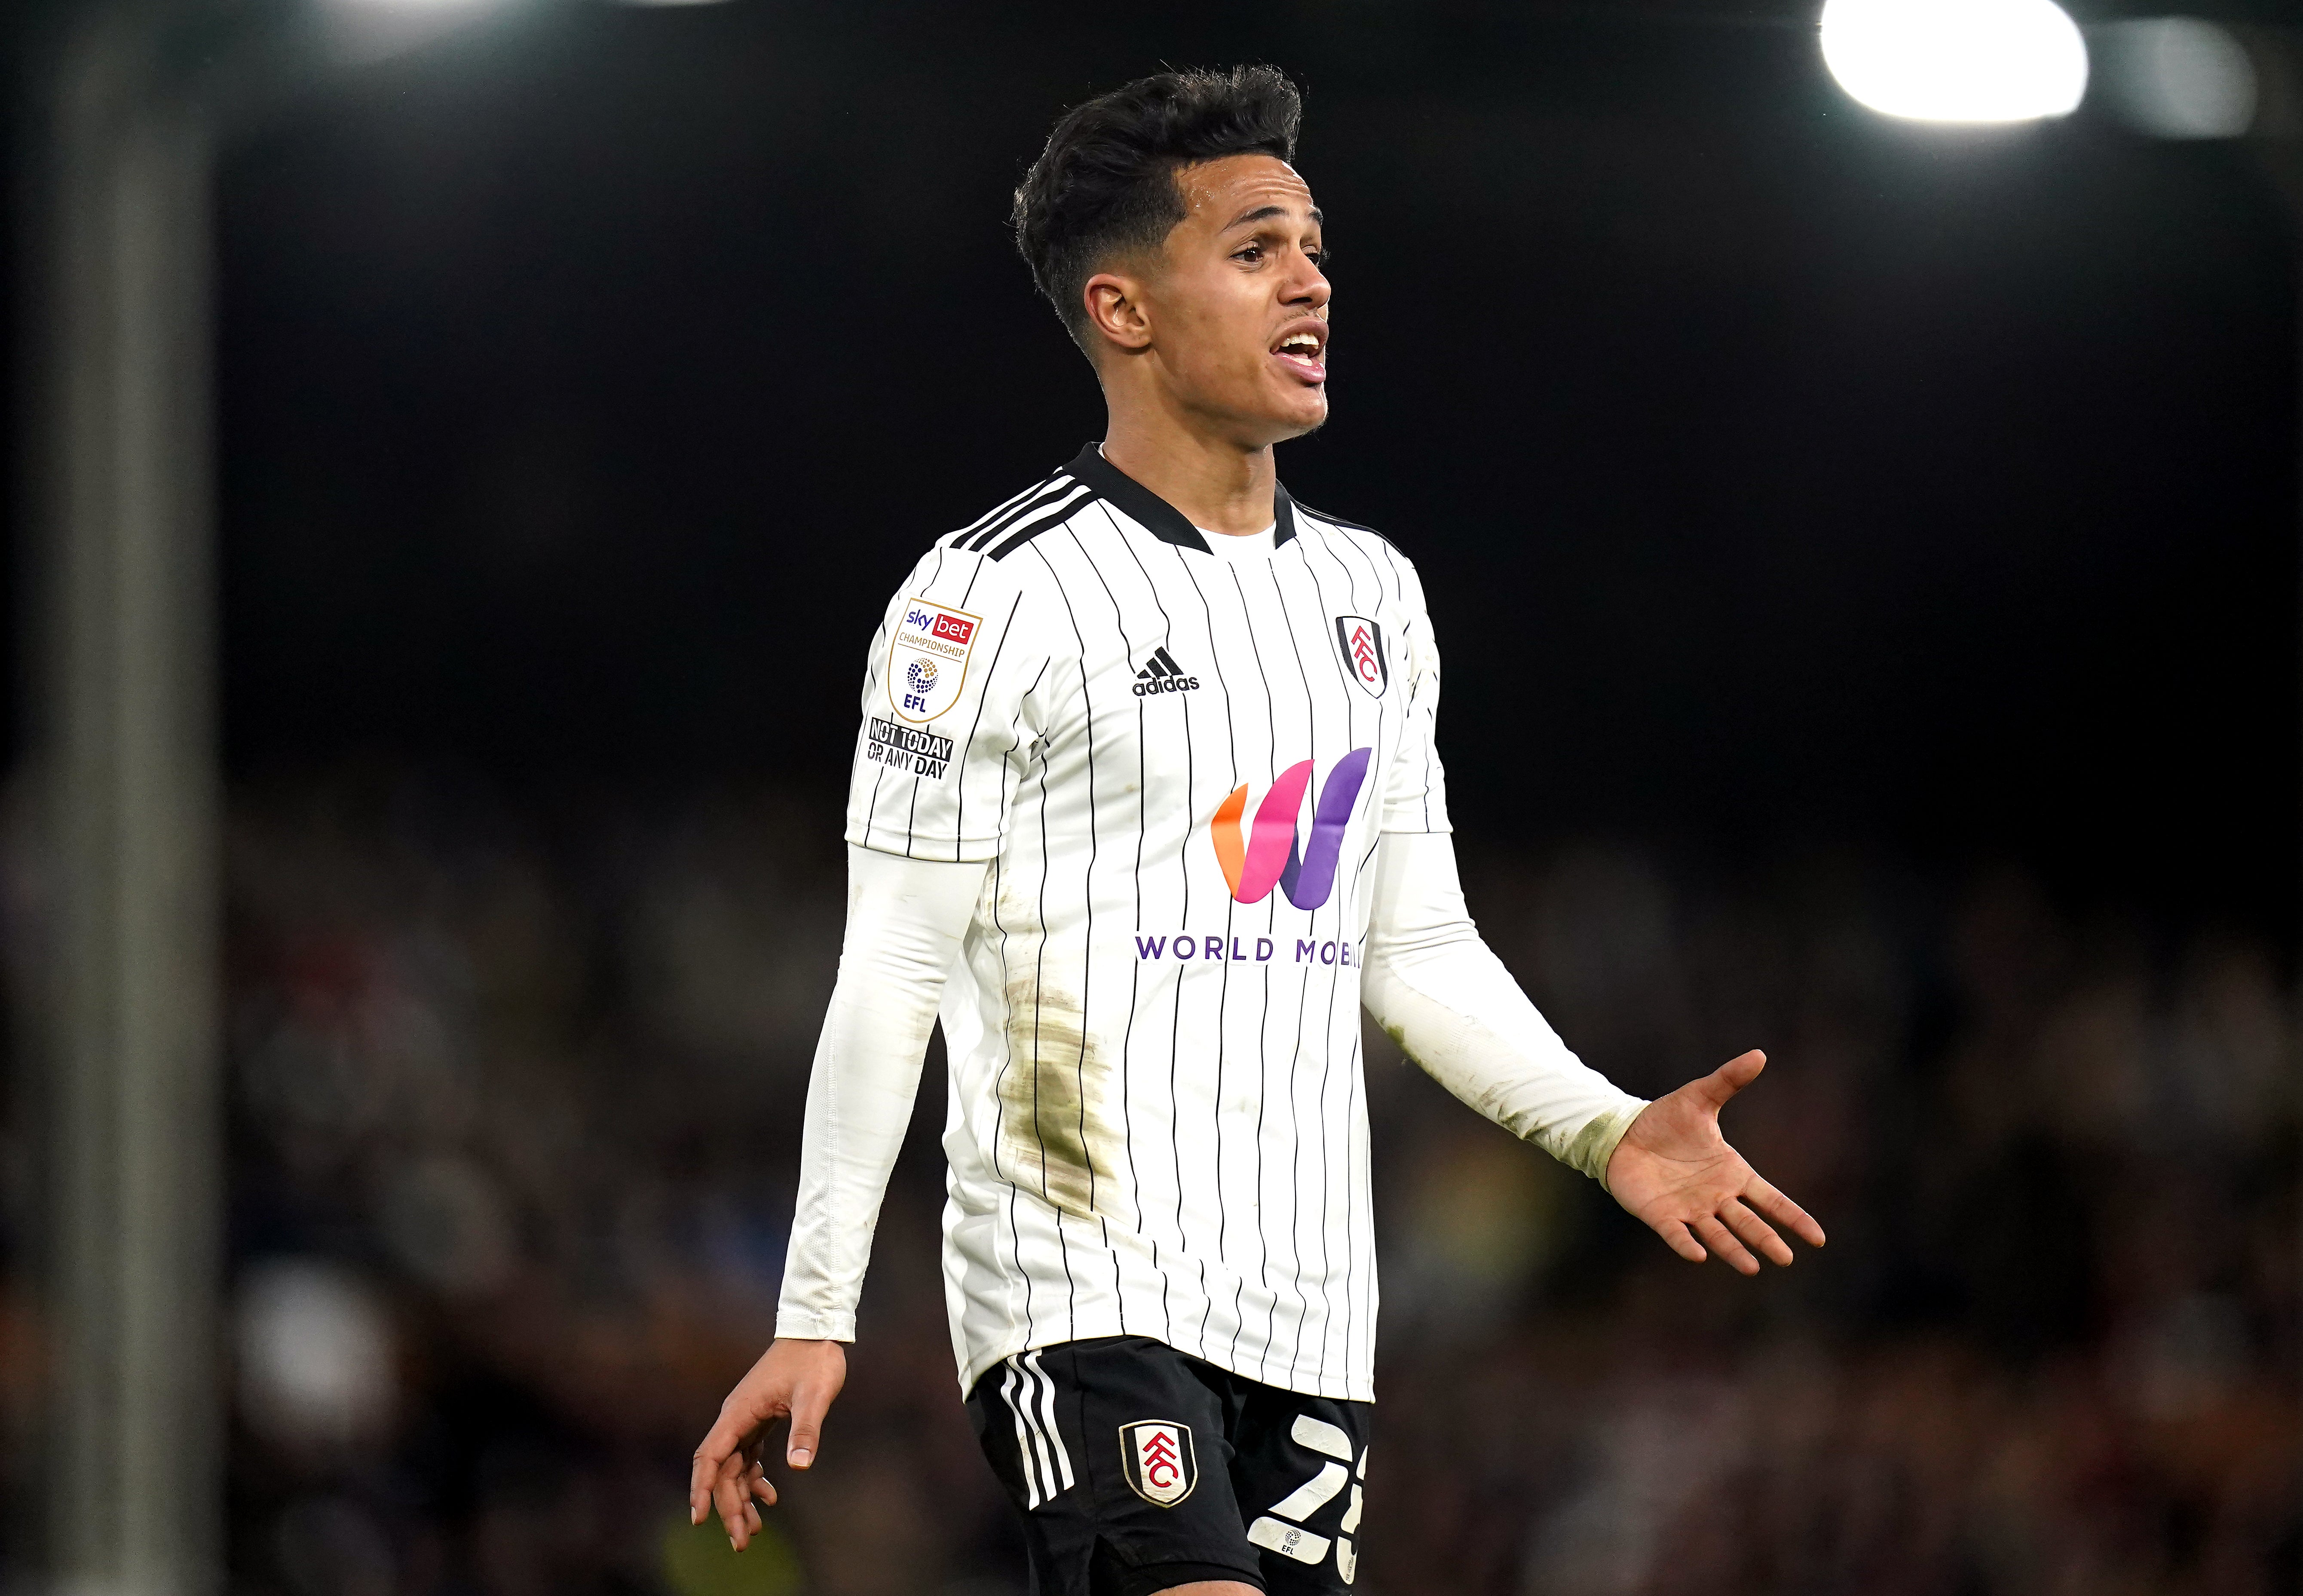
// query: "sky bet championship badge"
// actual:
[[927, 660], [1156, 1455]]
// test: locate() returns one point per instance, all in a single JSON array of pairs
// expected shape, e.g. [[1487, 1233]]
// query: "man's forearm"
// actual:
[[906, 918], [1442, 995]]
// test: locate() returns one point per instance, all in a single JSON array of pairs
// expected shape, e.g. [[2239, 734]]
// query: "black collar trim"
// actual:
[[1167, 523]]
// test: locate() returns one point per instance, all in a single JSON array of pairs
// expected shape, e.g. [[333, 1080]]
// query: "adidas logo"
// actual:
[[1162, 674]]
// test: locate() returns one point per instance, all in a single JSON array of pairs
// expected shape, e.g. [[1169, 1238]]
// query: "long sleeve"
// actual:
[[906, 918], [1447, 999]]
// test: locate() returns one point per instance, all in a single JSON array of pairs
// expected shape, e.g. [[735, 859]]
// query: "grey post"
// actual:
[[126, 843], [127, 101]]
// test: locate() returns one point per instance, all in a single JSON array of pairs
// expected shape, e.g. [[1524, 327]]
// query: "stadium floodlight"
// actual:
[[1960, 61]]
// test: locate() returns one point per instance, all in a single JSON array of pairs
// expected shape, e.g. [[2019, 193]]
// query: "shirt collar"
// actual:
[[1166, 522]]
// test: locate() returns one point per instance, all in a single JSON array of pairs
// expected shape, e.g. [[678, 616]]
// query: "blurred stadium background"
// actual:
[[1867, 562]]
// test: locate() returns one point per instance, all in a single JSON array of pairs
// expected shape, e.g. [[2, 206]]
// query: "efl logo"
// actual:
[[1155, 1457], [1361, 641]]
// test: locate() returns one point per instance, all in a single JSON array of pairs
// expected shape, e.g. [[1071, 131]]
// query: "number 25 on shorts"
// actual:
[[1291, 1540]]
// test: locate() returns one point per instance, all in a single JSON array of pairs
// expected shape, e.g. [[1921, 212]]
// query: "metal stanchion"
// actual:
[[131, 98], [124, 757]]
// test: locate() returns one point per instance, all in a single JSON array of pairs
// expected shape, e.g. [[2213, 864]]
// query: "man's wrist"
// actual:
[[1593, 1148]]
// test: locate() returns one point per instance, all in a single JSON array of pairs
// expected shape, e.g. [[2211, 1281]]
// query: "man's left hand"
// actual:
[[1676, 1172]]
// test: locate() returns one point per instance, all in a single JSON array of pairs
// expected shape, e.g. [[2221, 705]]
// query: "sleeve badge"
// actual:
[[927, 659]]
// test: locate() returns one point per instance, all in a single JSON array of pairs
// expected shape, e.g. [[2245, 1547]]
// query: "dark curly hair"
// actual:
[[1106, 183]]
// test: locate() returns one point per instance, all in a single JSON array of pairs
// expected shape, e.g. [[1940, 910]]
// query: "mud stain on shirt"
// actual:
[[1057, 1137]]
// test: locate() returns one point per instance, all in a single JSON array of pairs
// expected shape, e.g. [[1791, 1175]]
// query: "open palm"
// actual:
[[1676, 1172]]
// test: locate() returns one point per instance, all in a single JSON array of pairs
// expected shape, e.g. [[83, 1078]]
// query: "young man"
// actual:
[[1146, 807]]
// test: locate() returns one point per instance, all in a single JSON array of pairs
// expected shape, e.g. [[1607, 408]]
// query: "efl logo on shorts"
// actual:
[[1156, 1455], [1361, 641], [927, 659]]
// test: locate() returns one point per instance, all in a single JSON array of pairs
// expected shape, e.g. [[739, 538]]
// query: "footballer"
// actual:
[[1146, 808]]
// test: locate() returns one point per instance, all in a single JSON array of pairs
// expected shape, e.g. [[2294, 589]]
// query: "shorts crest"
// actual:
[[1156, 1458]]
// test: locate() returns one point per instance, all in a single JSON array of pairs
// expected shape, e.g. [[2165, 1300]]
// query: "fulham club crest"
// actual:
[[1156, 1455], [1361, 641]]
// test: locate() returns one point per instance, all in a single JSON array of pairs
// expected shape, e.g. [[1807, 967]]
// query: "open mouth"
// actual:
[[1304, 352]]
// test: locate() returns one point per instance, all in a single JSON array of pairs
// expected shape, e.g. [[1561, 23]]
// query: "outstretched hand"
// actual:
[[1676, 1172], [795, 1378]]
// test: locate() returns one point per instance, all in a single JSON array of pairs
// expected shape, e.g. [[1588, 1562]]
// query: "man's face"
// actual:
[[1236, 306]]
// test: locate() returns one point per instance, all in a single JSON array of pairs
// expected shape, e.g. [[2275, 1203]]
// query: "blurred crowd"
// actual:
[[515, 1085]]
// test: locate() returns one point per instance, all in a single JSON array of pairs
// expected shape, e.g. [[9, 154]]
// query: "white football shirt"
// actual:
[[1178, 766]]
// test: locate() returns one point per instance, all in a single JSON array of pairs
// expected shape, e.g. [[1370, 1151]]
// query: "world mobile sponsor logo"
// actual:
[[1270, 854], [1267, 856], [1184, 948]]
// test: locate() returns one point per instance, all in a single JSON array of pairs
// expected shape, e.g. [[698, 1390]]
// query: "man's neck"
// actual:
[[1216, 483]]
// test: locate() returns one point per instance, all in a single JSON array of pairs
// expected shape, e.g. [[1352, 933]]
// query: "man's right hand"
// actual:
[[795, 1378]]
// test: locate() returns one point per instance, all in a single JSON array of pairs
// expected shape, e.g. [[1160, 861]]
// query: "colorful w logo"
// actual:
[[1268, 857]]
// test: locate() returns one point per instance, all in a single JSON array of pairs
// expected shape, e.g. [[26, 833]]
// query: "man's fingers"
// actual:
[[806, 1439], [1676, 1236], [1755, 1232], [1732, 1078], [1785, 1212], [704, 1472], [1716, 1235], [723, 1446], [735, 1487], [722, 1442], [727, 1496]]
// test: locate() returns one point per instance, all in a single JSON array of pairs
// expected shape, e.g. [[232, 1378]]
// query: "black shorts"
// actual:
[[1137, 1468]]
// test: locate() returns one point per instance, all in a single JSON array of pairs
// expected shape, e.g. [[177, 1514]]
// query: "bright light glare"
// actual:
[[1957, 60], [361, 31], [2178, 78], [316, 1355]]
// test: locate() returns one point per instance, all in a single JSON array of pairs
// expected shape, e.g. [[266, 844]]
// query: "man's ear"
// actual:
[[1117, 315]]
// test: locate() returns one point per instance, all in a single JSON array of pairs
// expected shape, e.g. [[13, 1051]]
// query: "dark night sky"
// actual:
[[1778, 475]]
